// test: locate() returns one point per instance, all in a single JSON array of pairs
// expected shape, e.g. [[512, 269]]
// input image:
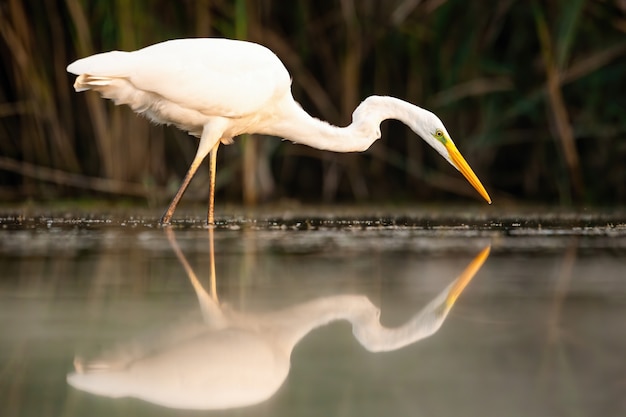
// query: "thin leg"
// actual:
[[210, 136], [209, 305], [167, 216], [213, 168], [212, 261]]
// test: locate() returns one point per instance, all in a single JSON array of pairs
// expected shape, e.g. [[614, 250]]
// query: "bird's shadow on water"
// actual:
[[233, 359]]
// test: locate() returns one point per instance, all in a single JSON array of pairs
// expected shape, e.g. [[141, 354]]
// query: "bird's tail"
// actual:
[[86, 82]]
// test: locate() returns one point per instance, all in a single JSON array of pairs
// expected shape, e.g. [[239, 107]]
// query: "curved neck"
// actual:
[[291, 325], [296, 125]]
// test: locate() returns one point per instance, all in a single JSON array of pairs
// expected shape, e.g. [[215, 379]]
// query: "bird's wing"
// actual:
[[213, 76]]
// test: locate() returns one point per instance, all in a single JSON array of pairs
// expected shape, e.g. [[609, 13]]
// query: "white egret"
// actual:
[[236, 359], [217, 89]]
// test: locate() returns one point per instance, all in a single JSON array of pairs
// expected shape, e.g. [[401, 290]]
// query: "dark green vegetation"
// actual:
[[531, 91]]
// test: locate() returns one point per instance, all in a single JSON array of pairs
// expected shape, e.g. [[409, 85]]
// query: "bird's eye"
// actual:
[[440, 136]]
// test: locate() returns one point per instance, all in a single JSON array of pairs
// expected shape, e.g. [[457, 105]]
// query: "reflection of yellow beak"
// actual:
[[465, 169], [466, 276]]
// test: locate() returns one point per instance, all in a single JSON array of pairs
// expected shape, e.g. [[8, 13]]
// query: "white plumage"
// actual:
[[217, 89]]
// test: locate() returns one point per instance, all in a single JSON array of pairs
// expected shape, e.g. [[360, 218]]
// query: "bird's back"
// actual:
[[212, 77]]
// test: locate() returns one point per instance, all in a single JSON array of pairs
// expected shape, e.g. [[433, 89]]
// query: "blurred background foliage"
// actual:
[[531, 91]]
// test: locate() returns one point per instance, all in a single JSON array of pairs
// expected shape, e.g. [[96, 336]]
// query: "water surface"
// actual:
[[288, 323]]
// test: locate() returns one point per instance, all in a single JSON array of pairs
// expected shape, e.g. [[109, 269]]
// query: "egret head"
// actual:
[[432, 130]]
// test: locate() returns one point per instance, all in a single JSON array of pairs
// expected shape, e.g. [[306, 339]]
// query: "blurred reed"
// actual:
[[530, 92]]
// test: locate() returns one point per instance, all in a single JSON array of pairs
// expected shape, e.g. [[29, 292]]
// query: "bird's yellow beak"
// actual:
[[467, 275], [465, 169]]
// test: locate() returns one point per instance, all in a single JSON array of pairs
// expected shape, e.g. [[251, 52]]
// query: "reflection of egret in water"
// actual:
[[234, 359]]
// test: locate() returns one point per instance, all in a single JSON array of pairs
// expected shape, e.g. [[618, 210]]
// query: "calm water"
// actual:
[[351, 315]]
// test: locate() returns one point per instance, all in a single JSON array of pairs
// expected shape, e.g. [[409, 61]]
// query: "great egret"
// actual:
[[217, 89], [235, 359]]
